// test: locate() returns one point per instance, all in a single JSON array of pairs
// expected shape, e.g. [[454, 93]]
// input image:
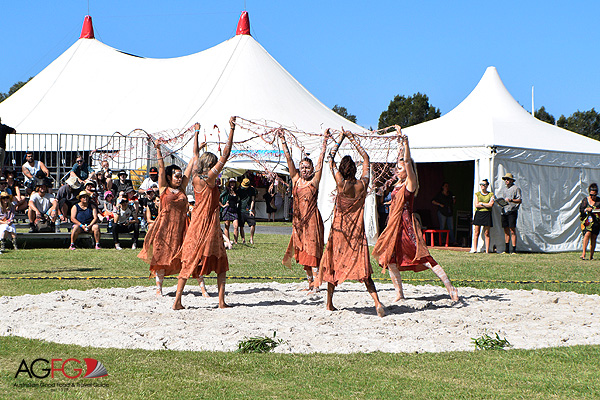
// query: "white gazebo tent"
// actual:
[[94, 89], [552, 166]]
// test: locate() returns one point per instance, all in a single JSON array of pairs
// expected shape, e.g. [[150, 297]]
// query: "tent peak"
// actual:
[[243, 27], [87, 31]]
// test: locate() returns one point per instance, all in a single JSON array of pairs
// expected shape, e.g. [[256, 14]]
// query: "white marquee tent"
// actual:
[[94, 89], [552, 166]]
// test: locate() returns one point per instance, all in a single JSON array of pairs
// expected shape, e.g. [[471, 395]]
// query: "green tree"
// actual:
[[544, 115], [583, 122], [407, 111], [344, 113], [13, 89]]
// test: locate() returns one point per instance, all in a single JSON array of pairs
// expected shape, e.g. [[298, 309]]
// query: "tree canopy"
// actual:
[[344, 113], [13, 89], [543, 115], [583, 122], [407, 111]]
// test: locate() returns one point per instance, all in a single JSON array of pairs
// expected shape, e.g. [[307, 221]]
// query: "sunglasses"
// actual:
[[178, 176], [79, 161]]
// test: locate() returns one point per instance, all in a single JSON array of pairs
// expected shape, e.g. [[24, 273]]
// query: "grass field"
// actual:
[[564, 373]]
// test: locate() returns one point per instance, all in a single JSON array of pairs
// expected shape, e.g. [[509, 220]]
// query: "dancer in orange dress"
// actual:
[[307, 241], [347, 253], [400, 246], [165, 236], [203, 250]]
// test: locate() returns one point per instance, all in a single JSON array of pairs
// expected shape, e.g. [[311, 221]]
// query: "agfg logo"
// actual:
[[69, 368]]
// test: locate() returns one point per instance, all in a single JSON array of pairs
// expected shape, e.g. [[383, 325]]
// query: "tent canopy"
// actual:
[[95, 89], [491, 117]]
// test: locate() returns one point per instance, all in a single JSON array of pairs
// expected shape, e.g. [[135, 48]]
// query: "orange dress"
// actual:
[[347, 253], [401, 242], [307, 241], [203, 250], [165, 236]]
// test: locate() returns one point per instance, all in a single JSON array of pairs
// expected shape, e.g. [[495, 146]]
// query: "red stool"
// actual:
[[439, 232]]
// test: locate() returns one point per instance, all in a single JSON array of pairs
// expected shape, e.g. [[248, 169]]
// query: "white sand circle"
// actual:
[[428, 321]]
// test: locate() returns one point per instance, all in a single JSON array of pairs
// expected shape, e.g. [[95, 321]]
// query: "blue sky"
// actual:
[[357, 54]]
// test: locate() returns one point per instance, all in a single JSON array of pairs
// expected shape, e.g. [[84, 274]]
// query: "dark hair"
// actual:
[[206, 162], [348, 168], [308, 160], [594, 187], [170, 170]]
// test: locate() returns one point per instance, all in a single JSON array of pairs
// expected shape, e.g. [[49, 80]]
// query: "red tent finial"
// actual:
[[243, 27], [87, 31]]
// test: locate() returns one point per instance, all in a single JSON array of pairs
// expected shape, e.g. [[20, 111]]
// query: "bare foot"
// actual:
[[224, 305], [454, 294], [331, 308], [159, 292], [398, 298], [380, 310], [205, 293], [178, 306]]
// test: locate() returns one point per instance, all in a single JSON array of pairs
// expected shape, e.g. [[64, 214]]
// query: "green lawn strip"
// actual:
[[559, 373]]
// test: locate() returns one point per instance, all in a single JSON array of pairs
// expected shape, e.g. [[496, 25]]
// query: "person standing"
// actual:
[[203, 250], [247, 195], [230, 212], [165, 237], [589, 210], [510, 211], [4, 130], [401, 246], [347, 253], [307, 241], [483, 202], [444, 201]]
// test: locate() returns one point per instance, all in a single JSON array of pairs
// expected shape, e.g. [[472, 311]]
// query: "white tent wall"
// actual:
[[552, 186]]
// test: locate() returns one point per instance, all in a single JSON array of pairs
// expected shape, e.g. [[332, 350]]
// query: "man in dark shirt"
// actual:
[[4, 130], [247, 193], [122, 184]]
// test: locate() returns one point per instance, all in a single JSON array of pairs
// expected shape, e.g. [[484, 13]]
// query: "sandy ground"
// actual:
[[428, 321]]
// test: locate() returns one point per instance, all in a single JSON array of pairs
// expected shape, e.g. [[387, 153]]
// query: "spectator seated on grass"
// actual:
[[19, 200], [7, 216], [125, 221], [81, 170], [31, 170], [84, 217], [43, 208], [67, 198]]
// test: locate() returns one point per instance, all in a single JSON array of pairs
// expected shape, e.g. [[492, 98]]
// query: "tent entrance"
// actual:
[[460, 176]]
